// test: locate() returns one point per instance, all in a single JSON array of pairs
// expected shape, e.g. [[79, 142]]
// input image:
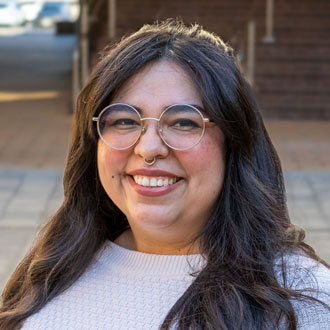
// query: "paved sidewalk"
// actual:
[[35, 110], [27, 199], [301, 145], [308, 195]]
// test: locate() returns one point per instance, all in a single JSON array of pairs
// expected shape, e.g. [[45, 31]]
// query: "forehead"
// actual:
[[158, 85]]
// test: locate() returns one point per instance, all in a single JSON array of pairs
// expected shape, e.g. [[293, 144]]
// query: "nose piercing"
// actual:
[[151, 162]]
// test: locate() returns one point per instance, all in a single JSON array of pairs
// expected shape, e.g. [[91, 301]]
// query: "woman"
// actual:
[[174, 213]]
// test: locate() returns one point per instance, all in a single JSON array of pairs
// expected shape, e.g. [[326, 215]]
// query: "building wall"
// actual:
[[226, 18], [292, 77]]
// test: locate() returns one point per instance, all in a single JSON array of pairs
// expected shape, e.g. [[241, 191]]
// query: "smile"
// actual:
[[148, 181]]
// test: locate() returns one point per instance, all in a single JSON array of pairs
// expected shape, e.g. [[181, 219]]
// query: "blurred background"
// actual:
[[47, 49]]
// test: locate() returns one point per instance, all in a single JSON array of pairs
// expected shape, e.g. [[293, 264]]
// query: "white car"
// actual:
[[10, 14], [30, 9], [52, 13]]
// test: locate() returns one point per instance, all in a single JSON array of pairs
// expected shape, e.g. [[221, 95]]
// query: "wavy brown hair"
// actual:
[[247, 233]]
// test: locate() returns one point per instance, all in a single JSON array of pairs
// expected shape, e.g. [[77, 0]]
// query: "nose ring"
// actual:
[[151, 162]]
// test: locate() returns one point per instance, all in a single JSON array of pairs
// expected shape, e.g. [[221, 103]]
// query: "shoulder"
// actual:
[[299, 271], [311, 278]]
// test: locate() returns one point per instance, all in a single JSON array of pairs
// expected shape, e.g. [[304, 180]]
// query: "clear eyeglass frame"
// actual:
[[207, 122]]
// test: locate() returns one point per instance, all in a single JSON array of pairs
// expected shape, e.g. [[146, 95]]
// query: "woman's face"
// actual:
[[163, 219]]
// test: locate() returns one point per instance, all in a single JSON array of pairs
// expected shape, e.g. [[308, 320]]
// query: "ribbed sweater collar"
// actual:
[[119, 258]]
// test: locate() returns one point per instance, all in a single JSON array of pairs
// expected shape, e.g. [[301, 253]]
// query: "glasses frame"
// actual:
[[143, 128]]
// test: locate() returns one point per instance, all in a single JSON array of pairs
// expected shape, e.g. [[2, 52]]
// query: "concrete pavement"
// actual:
[[27, 199], [35, 119], [308, 194]]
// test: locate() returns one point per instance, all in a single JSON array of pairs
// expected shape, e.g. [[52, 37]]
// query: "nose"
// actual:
[[150, 144]]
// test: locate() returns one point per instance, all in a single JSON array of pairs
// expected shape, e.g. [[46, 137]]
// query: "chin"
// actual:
[[151, 219]]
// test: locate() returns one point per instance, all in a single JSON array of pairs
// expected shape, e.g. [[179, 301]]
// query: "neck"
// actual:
[[155, 244]]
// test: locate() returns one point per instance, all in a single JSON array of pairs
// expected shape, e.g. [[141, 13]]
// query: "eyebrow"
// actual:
[[198, 107], [140, 111]]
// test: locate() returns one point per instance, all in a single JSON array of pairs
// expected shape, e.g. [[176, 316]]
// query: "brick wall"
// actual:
[[292, 75], [226, 18], [223, 17]]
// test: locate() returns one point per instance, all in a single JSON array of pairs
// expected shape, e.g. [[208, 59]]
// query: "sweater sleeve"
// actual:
[[311, 279]]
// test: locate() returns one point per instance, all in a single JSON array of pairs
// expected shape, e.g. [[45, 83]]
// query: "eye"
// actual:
[[184, 124], [124, 123], [119, 125]]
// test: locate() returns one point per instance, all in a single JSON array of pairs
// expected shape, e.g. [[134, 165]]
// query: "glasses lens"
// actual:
[[120, 126], [181, 126]]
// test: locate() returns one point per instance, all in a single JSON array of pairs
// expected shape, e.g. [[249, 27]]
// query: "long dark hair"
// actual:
[[247, 233]]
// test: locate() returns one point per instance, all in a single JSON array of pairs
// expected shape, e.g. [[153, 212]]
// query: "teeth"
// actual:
[[145, 182], [153, 182], [148, 181]]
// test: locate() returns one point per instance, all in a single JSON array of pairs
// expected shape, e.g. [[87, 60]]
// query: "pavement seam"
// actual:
[[15, 192], [317, 199]]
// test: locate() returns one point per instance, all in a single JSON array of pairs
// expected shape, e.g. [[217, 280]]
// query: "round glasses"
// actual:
[[180, 126]]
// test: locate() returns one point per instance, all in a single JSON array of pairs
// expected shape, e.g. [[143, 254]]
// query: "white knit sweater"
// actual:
[[125, 290]]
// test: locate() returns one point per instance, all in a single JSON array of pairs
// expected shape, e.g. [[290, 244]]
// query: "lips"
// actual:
[[153, 182]]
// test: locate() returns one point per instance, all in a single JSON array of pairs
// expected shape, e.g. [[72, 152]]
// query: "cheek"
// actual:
[[206, 166], [110, 164], [208, 159], [104, 160]]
